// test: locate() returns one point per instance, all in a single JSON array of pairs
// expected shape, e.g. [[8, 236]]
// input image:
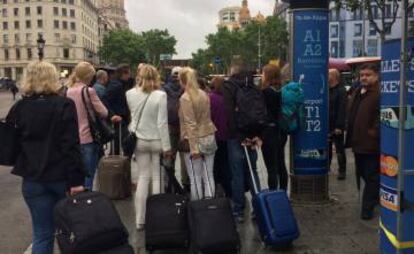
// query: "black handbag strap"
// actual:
[[91, 118]]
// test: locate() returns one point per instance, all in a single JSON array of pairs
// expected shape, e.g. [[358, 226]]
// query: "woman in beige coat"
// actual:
[[197, 131]]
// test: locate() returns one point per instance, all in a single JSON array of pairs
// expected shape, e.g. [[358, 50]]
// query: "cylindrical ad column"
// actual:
[[309, 63], [397, 162]]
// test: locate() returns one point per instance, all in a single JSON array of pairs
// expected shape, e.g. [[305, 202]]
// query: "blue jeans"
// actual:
[[41, 198], [240, 171], [90, 153]]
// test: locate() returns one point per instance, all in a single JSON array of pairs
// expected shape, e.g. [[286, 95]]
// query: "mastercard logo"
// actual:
[[389, 166]]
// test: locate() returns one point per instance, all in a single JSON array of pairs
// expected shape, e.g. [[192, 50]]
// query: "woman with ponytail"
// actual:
[[197, 130], [78, 90]]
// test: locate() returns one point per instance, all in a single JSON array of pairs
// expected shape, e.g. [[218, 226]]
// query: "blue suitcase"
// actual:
[[274, 214]]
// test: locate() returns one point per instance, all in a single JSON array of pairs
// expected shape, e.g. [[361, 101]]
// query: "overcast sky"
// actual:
[[188, 20]]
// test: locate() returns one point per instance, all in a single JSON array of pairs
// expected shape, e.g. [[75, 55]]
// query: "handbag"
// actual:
[[207, 144], [129, 142], [101, 131]]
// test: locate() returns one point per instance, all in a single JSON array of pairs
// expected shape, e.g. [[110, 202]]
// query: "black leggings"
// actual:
[[274, 142]]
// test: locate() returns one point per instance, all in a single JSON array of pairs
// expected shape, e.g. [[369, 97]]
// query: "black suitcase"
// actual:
[[88, 223], [123, 249], [166, 222], [212, 226]]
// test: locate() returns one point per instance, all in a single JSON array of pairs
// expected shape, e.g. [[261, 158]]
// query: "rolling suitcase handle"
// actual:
[[249, 163]]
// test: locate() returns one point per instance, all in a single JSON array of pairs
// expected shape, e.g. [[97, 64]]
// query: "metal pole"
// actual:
[[363, 29], [402, 119], [260, 47]]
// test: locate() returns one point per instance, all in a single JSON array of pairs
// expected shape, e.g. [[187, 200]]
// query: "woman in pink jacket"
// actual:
[[78, 86]]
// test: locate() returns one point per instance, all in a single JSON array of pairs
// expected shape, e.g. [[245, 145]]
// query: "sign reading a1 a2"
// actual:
[[310, 67]]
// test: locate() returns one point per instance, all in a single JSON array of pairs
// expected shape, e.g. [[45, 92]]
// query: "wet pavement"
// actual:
[[334, 228]]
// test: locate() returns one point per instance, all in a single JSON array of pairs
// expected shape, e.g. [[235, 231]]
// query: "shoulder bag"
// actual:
[[101, 131], [129, 142]]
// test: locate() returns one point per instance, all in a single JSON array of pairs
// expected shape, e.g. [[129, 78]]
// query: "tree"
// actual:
[[157, 42], [244, 43], [387, 17], [122, 46]]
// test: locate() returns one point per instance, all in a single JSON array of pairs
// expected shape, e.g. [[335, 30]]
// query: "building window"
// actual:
[[66, 53], [387, 28], [56, 11], [57, 37], [372, 30], [40, 23], [72, 13], [334, 49], [64, 12], [18, 54], [16, 38], [334, 31], [374, 11], [39, 10], [4, 1], [63, 1], [387, 11], [64, 24], [56, 24], [5, 38], [16, 25], [372, 49], [357, 29], [72, 2], [73, 25], [357, 48], [4, 12], [28, 37], [28, 24], [411, 28], [5, 26], [16, 12], [29, 53], [6, 53], [73, 38], [27, 11]]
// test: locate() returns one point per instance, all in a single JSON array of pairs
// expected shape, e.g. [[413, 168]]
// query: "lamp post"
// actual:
[[40, 46]]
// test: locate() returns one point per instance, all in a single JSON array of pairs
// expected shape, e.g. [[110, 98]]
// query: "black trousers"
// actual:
[[338, 141], [367, 168], [222, 171], [274, 142]]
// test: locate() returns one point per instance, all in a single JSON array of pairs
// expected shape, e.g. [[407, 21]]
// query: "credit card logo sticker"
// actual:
[[389, 199], [389, 166]]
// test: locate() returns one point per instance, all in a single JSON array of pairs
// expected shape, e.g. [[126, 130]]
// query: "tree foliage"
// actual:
[[225, 44], [126, 46]]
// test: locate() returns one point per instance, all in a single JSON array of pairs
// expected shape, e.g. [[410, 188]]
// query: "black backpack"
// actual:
[[250, 111]]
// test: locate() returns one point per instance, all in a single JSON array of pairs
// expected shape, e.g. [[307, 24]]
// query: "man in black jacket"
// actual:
[[337, 116], [116, 100], [237, 139]]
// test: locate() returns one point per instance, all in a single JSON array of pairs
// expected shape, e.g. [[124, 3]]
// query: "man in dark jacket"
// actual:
[[237, 138], [116, 100], [173, 90], [363, 135], [337, 109]]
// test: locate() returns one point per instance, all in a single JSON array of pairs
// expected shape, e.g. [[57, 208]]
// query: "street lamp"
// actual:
[[40, 46]]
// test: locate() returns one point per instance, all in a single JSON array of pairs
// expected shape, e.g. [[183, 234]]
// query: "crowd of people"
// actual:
[[182, 116]]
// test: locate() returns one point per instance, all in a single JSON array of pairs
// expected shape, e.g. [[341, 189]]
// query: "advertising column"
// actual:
[[309, 58], [391, 206]]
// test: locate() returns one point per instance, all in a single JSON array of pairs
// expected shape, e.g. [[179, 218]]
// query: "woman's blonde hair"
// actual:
[[271, 76], [188, 76], [83, 72], [148, 78], [41, 78]]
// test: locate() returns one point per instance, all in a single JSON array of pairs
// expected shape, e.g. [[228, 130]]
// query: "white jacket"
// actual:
[[154, 120]]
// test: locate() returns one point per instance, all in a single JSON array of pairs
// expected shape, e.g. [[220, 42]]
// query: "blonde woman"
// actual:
[[197, 130], [149, 122], [78, 90], [50, 161]]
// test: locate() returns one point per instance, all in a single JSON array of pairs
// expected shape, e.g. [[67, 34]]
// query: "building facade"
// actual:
[[237, 17], [112, 13], [69, 28], [351, 34]]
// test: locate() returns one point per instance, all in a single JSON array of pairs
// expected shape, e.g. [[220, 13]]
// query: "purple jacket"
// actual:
[[219, 116]]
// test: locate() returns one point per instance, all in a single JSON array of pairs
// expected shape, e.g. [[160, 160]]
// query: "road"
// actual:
[[330, 229]]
